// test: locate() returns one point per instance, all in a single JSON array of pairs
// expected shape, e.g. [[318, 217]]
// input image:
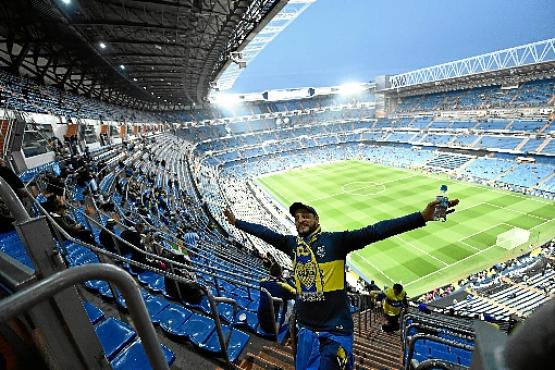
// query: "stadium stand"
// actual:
[[177, 179]]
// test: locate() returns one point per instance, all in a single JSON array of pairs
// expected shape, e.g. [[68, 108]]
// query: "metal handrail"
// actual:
[[211, 299], [273, 300], [25, 299], [434, 364]]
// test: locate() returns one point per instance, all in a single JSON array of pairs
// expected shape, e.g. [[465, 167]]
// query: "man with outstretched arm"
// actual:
[[325, 336]]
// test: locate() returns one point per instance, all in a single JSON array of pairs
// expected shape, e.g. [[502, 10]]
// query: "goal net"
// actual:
[[512, 238]]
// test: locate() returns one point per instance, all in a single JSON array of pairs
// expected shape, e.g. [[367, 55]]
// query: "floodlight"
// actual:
[[351, 88], [101, 44], [226, 100], [67, 2], [135, 79], [121, 66]]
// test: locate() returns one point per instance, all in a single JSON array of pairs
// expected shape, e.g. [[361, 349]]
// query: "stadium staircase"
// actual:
[[522, 143], [545, 127], [509, 126], [543, 145], [544, 180], [373, 349], [504, 173]]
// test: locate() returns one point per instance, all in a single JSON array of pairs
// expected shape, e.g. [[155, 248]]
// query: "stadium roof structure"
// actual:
[[508, 65], [262, 36], [146, 54]]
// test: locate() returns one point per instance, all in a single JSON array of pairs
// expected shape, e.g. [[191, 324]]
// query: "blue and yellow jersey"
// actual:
[[278, 288], [319, 267], [393, 303]]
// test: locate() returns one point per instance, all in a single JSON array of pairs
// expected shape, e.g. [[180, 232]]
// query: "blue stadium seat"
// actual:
[[198, 328], [154, 306], [134, 357], [172, 317], [148, 276], [113, 335], [94, 313], [237, 343]]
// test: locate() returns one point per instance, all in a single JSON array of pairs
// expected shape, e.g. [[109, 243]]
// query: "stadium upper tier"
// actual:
[[530, 94]]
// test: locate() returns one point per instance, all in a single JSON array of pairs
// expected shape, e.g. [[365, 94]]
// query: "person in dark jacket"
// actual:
[[7, 174], [106, 239], [186, 291], [133, 236], [278, 288], [322, 306]]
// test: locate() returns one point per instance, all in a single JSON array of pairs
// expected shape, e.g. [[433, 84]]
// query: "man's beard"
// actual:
[[309, 231]]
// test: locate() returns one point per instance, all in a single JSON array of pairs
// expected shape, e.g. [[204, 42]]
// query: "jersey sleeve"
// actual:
[[279, 241], [357, 239]]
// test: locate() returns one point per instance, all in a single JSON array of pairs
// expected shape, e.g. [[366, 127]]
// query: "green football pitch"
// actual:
[[352, 194]]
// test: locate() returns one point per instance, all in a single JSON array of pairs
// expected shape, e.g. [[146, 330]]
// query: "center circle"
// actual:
[[363, 188]]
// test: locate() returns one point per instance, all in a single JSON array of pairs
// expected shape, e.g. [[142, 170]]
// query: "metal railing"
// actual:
[[61, 235], [42, 290]]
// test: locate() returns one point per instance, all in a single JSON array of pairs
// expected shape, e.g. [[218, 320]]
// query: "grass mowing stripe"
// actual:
[[345, 197]]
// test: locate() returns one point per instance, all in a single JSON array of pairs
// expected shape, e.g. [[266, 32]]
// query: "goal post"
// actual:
[[512, 238]]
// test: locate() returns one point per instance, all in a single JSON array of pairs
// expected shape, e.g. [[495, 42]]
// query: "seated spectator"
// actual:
[[278, 288], [395, 300], [106, 239], [58, 211], [134, 236], [15, 183], [186, 291]]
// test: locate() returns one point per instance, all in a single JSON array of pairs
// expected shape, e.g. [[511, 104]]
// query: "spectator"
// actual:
[[323, 311], [187, 291], [395, 300], [134, 236], [17, 186], [58, 211], [106, 239], [278, 288]]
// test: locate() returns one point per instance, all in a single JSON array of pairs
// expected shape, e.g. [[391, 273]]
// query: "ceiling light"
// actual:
[[66, 2], [135, 79], [102, 45], [121, 66]]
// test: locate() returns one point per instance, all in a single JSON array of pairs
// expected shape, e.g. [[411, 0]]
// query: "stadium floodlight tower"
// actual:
[[351, 88], [226, 100]]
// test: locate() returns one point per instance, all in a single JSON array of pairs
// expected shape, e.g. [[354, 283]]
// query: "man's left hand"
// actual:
[[428, 212]]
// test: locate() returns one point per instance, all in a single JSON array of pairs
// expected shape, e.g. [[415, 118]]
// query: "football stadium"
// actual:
[[203, 184]]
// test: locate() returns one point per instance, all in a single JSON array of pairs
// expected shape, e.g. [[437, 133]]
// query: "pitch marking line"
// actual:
[[455, 263], [472, 255], [342, 192], [375, 268], [495, 190], [516, 210], [421, 250]]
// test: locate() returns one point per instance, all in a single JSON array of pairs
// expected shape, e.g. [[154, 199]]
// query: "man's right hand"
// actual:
[[230, 217]]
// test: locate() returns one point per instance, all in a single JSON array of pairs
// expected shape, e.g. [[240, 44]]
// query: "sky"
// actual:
[[339, 41]]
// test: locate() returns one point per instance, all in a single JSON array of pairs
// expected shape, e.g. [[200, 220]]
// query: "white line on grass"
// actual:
[[421, 250], [453, 264], [478, 252], [468, 245], [499, 191], [369, 182], [375, 268], [516, 210]]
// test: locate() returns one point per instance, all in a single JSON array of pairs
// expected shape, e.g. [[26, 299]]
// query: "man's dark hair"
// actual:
[[275, 270], [397, 288]]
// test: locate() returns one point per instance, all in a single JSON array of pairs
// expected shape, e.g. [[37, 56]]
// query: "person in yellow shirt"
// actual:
[[395, 300]]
